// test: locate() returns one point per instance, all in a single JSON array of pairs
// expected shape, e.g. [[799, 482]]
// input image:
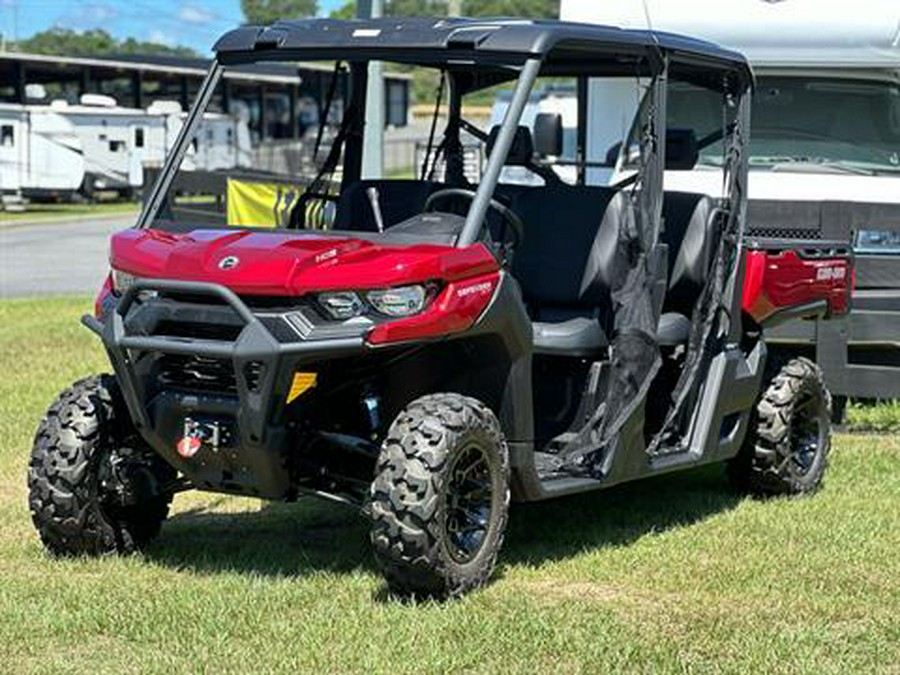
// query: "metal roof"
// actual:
[[501, 42]]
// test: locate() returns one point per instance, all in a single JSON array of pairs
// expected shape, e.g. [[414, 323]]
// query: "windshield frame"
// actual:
[[160, 189]]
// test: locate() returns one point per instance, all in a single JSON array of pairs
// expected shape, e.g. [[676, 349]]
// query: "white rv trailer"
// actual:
[[119, 142], [824, 149], [40, 152]]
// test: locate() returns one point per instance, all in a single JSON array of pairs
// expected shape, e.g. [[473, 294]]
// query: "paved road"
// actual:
[[64, 257]]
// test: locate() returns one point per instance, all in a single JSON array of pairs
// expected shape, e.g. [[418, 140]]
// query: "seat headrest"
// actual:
[[521, 152], [682, 151]]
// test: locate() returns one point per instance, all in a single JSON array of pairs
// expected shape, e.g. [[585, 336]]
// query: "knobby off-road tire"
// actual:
[[440, 498], [89, 493], [786, 449]]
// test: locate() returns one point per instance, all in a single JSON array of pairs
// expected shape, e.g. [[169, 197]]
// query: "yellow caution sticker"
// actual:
[[301, 383]]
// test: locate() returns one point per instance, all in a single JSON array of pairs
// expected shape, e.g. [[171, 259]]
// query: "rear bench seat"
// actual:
[[689, 228]]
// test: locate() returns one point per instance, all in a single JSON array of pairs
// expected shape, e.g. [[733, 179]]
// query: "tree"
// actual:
[[96, 42], [345, 11], [264, 12]]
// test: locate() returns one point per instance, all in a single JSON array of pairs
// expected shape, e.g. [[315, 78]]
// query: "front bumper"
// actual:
[[251, 457]]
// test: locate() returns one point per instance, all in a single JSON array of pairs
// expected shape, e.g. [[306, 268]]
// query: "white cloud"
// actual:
[[195, 14], [161, 37], [89, 15]]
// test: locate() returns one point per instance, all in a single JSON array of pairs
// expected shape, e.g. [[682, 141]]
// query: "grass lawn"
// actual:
[[883, 416], [667, 575], [39, 212]]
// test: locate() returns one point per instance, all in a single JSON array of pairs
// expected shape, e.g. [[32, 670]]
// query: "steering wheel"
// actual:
[[505, 212]]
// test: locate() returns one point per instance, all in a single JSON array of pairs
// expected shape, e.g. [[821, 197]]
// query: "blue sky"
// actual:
[[193, 23]]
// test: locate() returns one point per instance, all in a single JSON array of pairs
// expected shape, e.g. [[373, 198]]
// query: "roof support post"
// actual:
[[475, 218], [137, 88], [373, 155]]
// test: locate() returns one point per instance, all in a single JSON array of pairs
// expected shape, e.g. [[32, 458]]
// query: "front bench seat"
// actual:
[[689, 231], [565, 262], [398, 199]]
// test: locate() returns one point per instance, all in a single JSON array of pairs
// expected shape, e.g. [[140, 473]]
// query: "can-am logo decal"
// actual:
[[829, 273], [229, 262]]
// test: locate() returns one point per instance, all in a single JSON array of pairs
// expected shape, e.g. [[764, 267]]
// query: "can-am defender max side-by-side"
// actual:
[[428, 350]]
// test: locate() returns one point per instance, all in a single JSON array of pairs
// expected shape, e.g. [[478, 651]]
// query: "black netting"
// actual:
[[635, 357]]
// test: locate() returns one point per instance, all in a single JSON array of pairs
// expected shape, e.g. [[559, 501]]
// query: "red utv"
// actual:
[[428, 349]]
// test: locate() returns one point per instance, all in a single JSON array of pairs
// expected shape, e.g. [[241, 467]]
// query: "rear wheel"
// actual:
[[440, 498], [93, 489], [786, 449]]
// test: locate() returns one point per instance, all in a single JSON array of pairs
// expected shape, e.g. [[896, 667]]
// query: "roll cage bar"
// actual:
[[476, 54]]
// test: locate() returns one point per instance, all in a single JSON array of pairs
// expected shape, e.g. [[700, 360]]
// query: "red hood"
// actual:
[[278, 263]]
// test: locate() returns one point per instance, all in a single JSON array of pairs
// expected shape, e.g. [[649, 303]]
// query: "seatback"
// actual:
[[689, 232], [521, 152], [566, 260], [398, 199]]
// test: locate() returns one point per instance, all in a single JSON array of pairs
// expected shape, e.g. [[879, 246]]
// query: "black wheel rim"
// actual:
[[468, 504], [808, 430]]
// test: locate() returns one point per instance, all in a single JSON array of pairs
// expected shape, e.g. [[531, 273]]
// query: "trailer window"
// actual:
[[117, 146], [7, 136], [139, 137]]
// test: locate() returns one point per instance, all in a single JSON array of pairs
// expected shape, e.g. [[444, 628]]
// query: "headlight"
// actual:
[[341, 305], [391, 302], [121, 281], [401, 301], [878, 242]]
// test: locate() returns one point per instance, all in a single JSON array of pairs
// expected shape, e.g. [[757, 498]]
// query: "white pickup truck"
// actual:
[[825, 150]]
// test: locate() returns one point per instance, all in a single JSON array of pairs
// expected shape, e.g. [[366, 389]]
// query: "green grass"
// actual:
[[50, 212], [667, 575], [883, 416]]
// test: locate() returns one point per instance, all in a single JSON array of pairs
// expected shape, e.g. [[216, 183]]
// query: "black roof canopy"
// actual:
[[491, 44]]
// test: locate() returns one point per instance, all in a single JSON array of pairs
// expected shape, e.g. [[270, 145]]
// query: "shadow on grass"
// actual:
[[278, 540], [312, 536]]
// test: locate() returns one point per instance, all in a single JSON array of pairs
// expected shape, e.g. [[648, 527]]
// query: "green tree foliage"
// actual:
[[96, 42], [262, 12]]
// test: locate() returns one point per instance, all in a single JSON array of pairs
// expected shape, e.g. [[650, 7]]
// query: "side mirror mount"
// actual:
[[548, 135]]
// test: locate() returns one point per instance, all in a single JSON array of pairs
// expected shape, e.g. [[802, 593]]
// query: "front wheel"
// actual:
[[440, 497], [92, 488], [786, 449]]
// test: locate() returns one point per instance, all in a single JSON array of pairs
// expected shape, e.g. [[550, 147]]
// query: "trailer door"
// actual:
[[12, 143]]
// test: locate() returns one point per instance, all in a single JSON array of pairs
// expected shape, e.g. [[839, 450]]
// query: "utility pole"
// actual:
[[373, 134]]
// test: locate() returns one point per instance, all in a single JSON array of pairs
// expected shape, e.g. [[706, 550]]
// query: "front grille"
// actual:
[[195, 373]]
